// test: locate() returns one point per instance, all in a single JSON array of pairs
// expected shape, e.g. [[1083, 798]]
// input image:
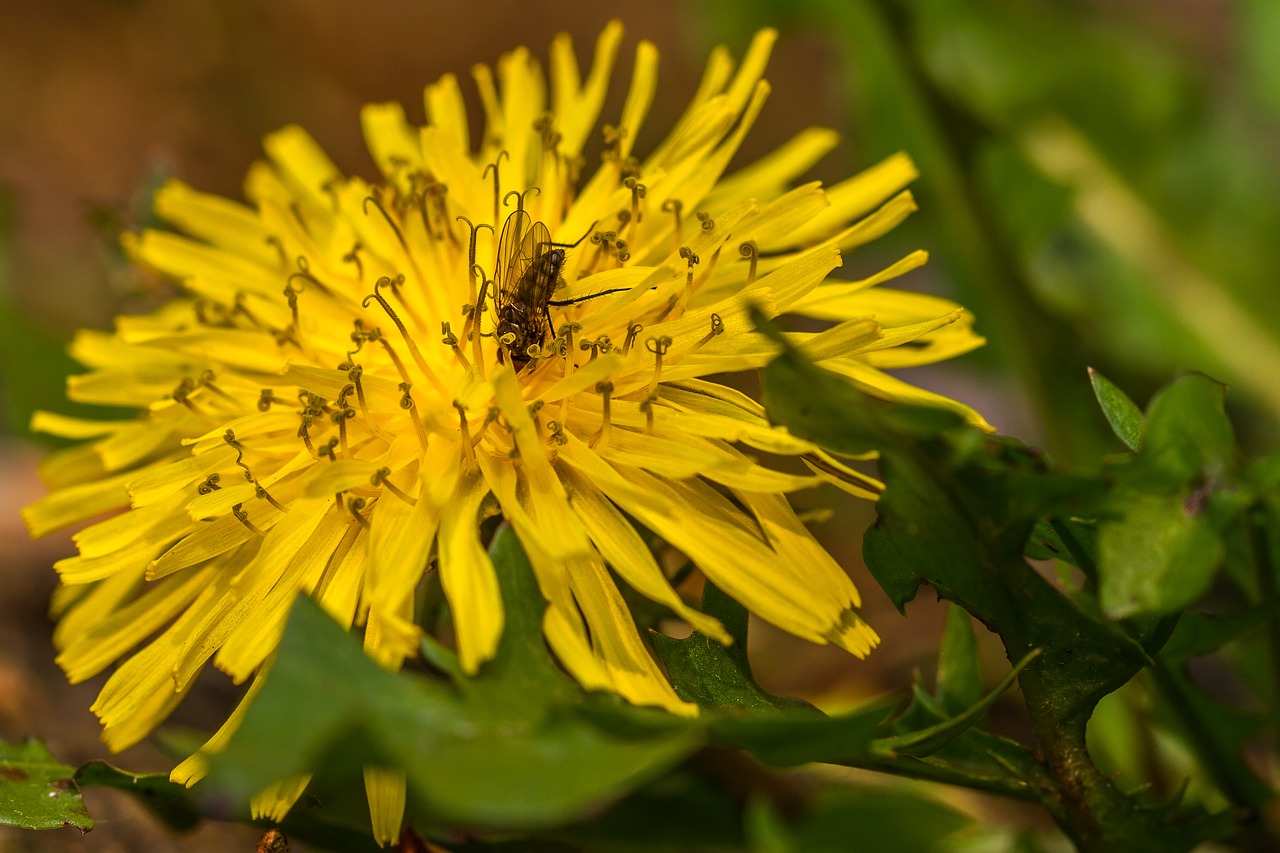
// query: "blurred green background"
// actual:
[[1100, 185]]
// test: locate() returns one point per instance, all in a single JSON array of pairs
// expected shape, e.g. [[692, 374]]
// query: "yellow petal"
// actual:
[[302, 162], [339, 590], [392, 142], [558, 531], [797, 548], [213, 218], [401, 536], [111, 638], [260, 616], [447, 114], [841, 300], [715, 540], [524, 101], [577, 109], [195, 767], [634, 673], [279, 554], [79, 608], [780, 166], [385, 788], [628, 555], [858, 196], [120, 530], [76, 503], [51, 423], [644, 82], [207, 541], [467, 574], [274, 801], [879, 384]]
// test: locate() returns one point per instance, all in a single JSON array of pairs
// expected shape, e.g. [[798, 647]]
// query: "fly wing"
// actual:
[[511, 264], [539, 276]]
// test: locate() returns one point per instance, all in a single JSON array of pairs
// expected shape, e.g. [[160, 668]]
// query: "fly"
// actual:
[[528, 272]]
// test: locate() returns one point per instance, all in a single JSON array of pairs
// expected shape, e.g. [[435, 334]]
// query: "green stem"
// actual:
[[1095, 814]]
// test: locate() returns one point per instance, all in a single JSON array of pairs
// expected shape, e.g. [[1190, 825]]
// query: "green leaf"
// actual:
[[522, 674], [1156, 558], [978, 498], [777, 730], [1172, 503], [715, 676], [333, 815], [1118, 739], [1073, 541], [1122, 413], [1188, 434], [37, 791], [1264, 473], [1200, 633], [928, 741], [1258, 32], [767, 832], [1219, 732], [686, 809], [171, 803], [876, 820], [480, 753], [959, 673], [1032, 209], [794, 738], [865, 819]]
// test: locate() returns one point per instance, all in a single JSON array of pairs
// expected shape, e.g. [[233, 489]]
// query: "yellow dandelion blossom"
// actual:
[[357, 374]]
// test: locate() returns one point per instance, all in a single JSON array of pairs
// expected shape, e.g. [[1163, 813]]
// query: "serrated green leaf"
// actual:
[[1121, 412], [715, 676], [956, 513], [171, 803], [37, 791], [985, 761], [777, 730], [976, 759], [479, 754]]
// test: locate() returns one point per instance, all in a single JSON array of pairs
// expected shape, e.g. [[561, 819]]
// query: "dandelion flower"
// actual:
[[357, 373]]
